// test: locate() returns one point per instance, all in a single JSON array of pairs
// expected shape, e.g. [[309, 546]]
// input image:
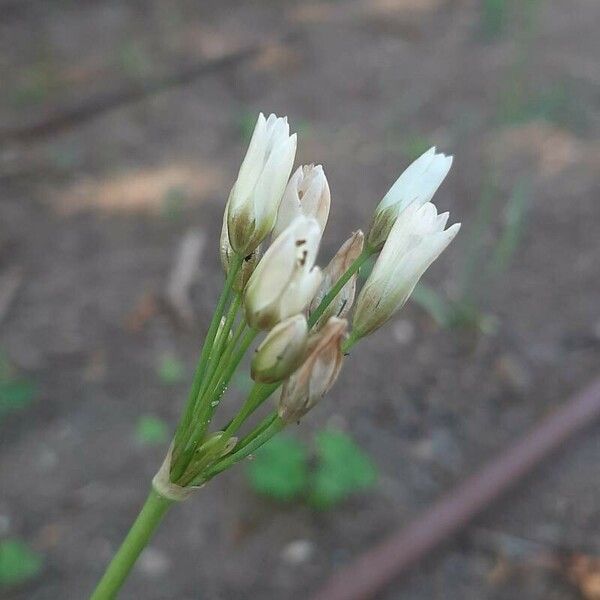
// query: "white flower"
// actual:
[[307, 193], [417, 185], [255, 196], [324, 358], [285, 280], [282, 351], [415, 241]]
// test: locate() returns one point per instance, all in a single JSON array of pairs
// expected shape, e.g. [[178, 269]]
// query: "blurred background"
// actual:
[[122, 126]]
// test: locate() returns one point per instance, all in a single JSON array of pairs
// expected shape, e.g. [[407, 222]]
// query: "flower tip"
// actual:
[[453, 230]]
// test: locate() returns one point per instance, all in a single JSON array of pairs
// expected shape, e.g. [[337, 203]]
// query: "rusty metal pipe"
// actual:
[[381, 564]]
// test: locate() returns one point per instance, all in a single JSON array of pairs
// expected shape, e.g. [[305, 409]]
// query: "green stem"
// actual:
[[210, 402], [222, 379], [219, 346], [275, 426], [256, 431], [258, 394], [352, 339], [341, 282], [139, 535]]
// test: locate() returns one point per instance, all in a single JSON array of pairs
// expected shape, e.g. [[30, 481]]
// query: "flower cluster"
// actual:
[[303, 310]]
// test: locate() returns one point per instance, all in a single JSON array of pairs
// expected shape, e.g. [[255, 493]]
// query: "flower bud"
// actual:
[[285, 280], [281, 352], [255, 196], [346, 255], [317, 374], [226, 251], [307, 193], [415, 241], [417, 184]]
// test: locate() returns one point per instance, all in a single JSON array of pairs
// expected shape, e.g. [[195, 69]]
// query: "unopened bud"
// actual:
[[342, 303], [317, 374], [417, 184], [285, 280], [281, 352], [255, 196], [307, 193], [416, 240], [216, 445]]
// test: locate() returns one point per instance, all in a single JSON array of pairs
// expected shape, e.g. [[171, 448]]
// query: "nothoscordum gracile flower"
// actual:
[[302, 354], [307, 193], [281, 352], [285, 280], [324, 358], [255, 196], [350, 250], [416, 185], [415, 241]]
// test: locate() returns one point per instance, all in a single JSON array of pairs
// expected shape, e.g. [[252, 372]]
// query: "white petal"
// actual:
[[419, 182], [253, 162]]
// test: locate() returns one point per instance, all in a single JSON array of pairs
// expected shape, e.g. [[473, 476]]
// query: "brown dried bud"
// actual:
[[345, 256], [317, 374]]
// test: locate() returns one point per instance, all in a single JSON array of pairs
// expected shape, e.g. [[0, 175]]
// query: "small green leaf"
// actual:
[[279, 469], [18, 563], [171, 370], [342, 469], [151, 430]]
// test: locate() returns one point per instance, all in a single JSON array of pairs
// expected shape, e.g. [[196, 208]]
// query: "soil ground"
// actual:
[[92, 216]]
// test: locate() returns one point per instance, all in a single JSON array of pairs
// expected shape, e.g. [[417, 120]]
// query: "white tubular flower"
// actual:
[[416, 185], [345, 256], [285, 280], [415, 241], [324, 358], [281, 352], [307, 193], [255, 196]]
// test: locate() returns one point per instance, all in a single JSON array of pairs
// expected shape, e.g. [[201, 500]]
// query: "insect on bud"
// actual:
[[317, 374], [281, 352]]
